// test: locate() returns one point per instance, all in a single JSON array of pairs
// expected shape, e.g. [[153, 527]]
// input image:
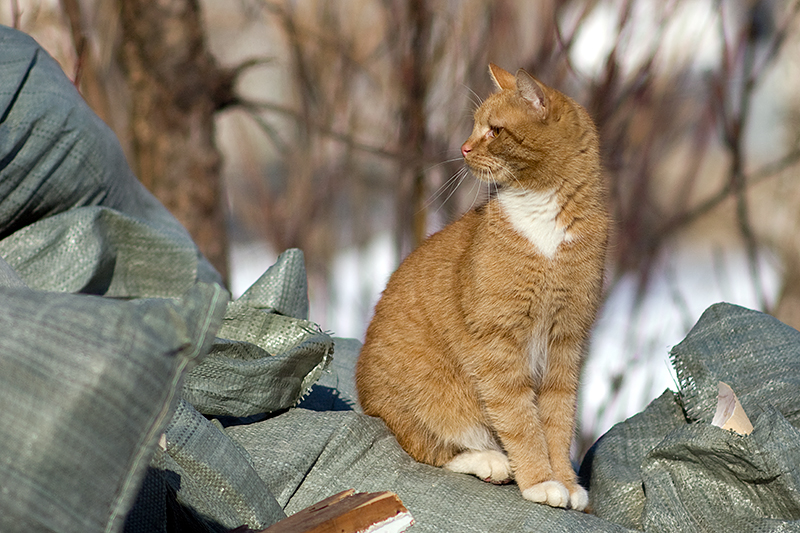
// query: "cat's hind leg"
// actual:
[[489, 465], [482, 456]]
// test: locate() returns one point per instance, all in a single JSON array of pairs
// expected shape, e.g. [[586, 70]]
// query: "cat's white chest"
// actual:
[[533, 214]]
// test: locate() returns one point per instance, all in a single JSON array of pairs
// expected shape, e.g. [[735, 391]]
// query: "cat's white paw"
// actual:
[[489, 465], [578, 498], [552, 493]]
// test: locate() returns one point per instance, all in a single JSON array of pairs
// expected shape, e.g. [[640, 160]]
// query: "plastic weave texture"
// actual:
[[87, 385], [267, 354]]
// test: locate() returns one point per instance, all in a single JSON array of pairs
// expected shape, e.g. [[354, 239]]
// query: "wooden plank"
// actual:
[[349, 512]]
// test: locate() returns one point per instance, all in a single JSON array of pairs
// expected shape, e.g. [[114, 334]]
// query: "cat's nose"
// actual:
[[465, 149]]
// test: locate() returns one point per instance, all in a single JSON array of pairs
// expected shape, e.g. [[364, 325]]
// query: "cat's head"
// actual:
[[527, 133]]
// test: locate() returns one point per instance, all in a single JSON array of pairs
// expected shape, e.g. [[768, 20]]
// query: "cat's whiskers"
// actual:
[[440, 163], [457, 178], [477, 101], [489, 182], [488, 178], [507, 174], [476, 184], [513, 177]]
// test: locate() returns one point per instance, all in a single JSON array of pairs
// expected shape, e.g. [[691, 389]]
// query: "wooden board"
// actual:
[[349, 512]]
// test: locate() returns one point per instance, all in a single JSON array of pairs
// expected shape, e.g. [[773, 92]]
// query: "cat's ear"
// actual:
[[532, 92], [502, 79]]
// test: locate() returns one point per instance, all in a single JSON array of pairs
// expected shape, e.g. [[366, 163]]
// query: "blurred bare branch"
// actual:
[[73, 12], [16, 14], [256, 108]]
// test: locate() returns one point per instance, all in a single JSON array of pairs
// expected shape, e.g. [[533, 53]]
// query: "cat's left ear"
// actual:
[[502, 78], [532, 92]]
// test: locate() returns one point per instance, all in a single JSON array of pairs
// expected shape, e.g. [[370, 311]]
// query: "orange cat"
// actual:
[[473, 355]]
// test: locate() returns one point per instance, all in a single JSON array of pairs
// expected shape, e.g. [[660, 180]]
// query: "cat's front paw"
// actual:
[[552, 493], [490, 465], [578, 497]]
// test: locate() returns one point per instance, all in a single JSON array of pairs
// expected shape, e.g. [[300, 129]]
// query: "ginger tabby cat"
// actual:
[[473, 355]]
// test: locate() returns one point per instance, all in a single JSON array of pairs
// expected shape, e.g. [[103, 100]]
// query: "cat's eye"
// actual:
[[493, 132]]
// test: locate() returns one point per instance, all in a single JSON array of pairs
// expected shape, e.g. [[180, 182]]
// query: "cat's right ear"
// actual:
[[502, 79], [532, 92]]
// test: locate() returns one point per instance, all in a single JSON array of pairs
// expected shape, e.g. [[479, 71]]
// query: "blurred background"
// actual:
[[335, 127]]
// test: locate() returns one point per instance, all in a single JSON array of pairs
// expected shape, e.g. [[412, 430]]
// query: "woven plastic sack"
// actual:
[[56, 157], [704, 478], [200, 480], [8, 276], [757, 355], [304, 456], [97, 250], [668, 469], [267, 355], [74, 219], [87, 385], [612, 467]]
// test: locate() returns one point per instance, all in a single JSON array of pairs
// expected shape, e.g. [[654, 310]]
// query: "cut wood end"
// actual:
[[349, 512], [730, 414]]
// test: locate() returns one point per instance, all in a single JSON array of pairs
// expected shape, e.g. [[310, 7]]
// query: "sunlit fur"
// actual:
[[473, 355]]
